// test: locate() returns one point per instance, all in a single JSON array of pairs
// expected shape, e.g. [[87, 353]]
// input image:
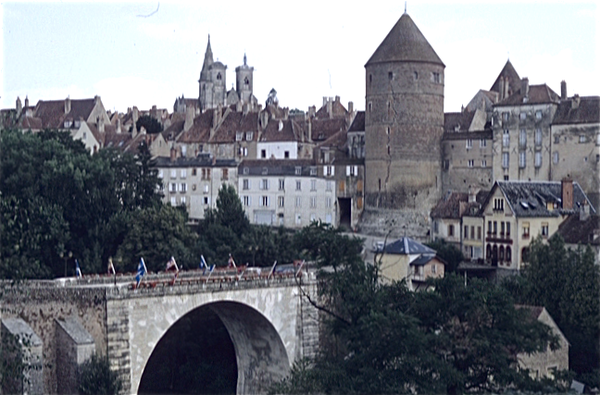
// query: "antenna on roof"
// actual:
[[405, 7]]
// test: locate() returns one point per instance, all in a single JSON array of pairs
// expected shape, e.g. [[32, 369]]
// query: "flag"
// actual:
[[231, 262], [111, 267], [300, 268], [210, 270], [172, 265], [273, 269], [77, 269], [141, 271], [203, 264]]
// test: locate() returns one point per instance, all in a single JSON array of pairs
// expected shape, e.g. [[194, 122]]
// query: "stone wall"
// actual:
[[396, 223]]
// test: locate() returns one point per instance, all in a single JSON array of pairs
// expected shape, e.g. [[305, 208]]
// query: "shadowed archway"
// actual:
[[220, 347]]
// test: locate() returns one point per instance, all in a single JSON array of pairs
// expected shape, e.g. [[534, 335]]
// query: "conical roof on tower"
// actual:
[[208, 61], [405, 43], [508, 73]]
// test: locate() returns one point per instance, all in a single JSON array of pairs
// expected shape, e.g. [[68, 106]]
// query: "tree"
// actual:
[[567, 283], [96, 377], [382, 338], [149, 123], [449, 253]]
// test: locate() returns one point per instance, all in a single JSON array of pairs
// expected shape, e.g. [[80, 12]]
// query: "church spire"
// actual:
[[208, 61]]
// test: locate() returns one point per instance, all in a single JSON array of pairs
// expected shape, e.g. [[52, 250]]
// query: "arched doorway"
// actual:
[[221, 347]]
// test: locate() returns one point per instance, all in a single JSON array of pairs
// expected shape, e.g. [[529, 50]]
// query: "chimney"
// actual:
[[563, 90], [584, 214], [189, 118], [309, 123], [215, 121], [26, 101], [472, 194], [173, 154], [575, 102], [96, 99], [264, 119], [67, 105], [312, 111], [134, 118], [501, 93], [286, 113], [324, 101], [567, 193], [101, 124], [337, 99], [330, 108], [118, 126], [350, 107], [525, 87]]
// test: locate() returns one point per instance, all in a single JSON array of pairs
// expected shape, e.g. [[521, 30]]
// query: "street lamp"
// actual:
[[66, 258]]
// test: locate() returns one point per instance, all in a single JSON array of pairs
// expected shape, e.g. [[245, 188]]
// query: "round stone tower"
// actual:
[[404, 122]]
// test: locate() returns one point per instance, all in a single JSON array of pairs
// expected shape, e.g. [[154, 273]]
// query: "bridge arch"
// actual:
[[260, 354]]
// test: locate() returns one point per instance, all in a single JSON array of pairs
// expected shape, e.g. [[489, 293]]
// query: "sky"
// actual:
[[149, 53]]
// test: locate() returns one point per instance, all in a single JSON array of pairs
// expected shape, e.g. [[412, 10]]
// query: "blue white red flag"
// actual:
[[172, 265], [203, 264], [141, 271], [273, 269], [231, 262], [77, 269], [210, 270]]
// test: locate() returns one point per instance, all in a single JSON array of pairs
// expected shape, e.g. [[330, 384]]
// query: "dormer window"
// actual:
[[298, 170], [498, 204], [249, 136], [68, 123], [239, 136]]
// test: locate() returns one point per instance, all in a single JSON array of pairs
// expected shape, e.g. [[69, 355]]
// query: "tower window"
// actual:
[[370, 78], [416, 75], [219, 76], [436, 77], [390, 75], [246, 81]]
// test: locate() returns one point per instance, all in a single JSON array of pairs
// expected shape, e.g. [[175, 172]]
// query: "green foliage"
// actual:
[[151, 124], [567, 283], [382, 338], [448, 252], [96, 377]]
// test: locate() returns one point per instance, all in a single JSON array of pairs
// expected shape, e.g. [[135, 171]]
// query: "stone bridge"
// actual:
[[269, 320]]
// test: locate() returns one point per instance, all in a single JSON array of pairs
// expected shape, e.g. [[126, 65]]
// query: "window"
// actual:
[[265, 171], [505, 116], [390, 75], [173, 200], [264, 201], [352, 170], [538, 114], [328, 171], [298, 185], [298, 170], [483, 163], [555, 157], [239, 136], [489, 228], [582, 139], [183, 187], [469, 143], [193, 187], [433, 268], [436, 77], [505, 160], [282, 184], [280, 201], [505, 138], [508, 254], [502, 228], [264, 184], [498, 204], [173, 187], [329, 186], [245, 184], [160, 173], [313, 185], [313, 217], [479, 233], [206, 189], [501, 253], [450, 230], [313, 201], [246, 201], [263, 153], [523, 138], [286, 154], [243, 151], [225, 175], [522, 159], [298, 201], [508, 229], [545, 229], [206, 174], [173, 173], [249, 136], [416, 75], [525, 254], [538, 159], [495, 227], [313, 171], [525, 230], [298, 219], [328, 202], [466, 232], [538, 137], [482, 143], [472, 232], [206, 200], [471, 163], [194, 172], [523, 116]]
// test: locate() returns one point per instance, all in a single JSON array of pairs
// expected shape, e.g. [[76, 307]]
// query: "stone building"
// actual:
[[404, 122]]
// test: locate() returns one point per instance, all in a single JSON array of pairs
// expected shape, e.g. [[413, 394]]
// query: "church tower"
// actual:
[[244, 81], [404, 122], [212, 82]]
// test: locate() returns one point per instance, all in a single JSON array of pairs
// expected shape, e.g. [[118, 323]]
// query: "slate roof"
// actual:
[[449, 205], [287, 132], [455, 122], [425, 259], [588, 111], [199, 132], [233, 122], [529, 198], [52, 112], [405, 43], [337, 110], [256, 167], [508, 71], [575, 231], [407, 246], [486, 135], [538, 94], [322, 129], [202, 160], [358, 124]]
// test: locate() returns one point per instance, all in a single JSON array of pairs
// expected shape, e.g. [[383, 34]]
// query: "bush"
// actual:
[[96, 378]]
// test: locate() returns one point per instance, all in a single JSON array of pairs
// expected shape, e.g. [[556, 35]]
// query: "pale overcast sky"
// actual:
[[145, 53]]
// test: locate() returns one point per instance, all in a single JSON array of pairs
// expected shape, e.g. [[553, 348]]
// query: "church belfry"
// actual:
[[244, 81], [404, 121], [212, 81]]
